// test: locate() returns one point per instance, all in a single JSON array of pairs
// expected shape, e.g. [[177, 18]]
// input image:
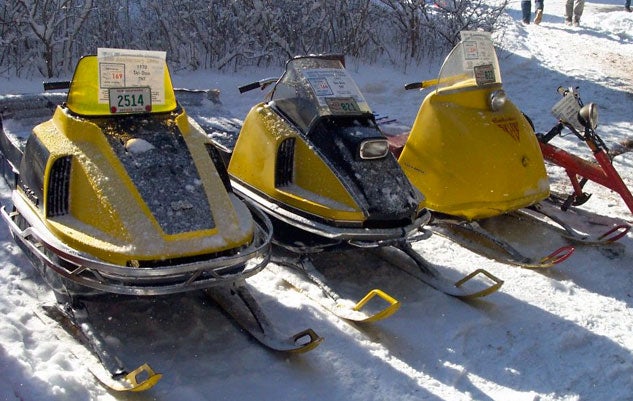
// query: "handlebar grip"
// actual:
[[249, 87], [556, 130], [48, 86], [414, 85]]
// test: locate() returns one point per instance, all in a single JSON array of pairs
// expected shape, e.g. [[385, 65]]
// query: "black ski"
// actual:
[[72, 324], [239, 303]]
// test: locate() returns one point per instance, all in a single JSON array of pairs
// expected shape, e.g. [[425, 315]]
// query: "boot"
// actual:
[[538, 17]]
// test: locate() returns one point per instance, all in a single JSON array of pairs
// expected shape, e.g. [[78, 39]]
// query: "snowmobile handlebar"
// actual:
[[556, 130], [421, 85], [262, 84], [48, 86]]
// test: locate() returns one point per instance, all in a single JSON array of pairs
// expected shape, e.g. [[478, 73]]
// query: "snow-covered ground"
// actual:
[[560, 334]]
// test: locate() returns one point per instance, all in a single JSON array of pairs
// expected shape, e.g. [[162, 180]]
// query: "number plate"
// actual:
[[130, 100]]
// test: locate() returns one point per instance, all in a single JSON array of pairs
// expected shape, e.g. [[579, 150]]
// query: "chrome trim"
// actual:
[[349, 234], [91, 272], [370, 142]]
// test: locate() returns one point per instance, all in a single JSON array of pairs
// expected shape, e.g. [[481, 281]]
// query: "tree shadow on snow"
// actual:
[[485, 350]]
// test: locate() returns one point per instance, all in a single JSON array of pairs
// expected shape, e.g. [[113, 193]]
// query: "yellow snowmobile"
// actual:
[[313, 158], [472, 152], [120, 192]]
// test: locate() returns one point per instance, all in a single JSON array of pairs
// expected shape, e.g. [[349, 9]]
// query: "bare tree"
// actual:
[[50, 35], [55, 23], [450, 17]]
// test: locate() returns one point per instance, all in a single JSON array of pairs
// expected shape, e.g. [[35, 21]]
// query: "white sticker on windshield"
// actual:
[[123, 68], [332, 82], [478, 49]]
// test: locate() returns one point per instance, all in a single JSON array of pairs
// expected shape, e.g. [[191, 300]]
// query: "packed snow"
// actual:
[[557, 334]]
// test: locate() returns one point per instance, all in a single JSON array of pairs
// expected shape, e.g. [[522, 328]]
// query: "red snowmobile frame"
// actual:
[[578, 169]]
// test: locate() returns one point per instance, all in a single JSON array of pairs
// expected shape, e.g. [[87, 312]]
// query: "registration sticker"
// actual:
[[342, 105], [136, 99], [484, 74], [124, 68]]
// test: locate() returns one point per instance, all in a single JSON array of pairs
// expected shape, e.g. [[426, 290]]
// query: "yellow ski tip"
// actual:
[[141, 378], [314, 340], [497, 283], [393, 305]]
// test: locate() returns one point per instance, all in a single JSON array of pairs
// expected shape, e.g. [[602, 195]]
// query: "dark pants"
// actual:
[[526, 10]]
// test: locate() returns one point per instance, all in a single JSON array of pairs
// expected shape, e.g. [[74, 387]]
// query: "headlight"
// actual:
[[497, 100], [588, 115], [374, 149]]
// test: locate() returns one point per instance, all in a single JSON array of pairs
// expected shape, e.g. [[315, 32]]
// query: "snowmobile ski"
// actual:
[[239, 303], [613, 229], [301, 274], [430, 275], [476, 236], [104, 366]]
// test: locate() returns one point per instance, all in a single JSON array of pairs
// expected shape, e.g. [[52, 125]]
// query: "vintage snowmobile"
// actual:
[[120, 192], [475, 156], [582, 120], [313, 158]]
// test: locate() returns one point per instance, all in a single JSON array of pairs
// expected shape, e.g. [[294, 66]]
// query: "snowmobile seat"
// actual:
[[396, 143]]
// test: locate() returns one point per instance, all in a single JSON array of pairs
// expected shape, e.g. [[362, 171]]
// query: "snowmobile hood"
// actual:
[[470, 150]]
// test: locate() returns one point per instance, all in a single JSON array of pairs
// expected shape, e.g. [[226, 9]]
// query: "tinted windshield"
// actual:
[[472, 63], [315, 86]]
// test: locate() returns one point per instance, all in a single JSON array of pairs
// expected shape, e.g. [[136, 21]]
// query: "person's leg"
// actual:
[[579, 6], [627, 5], [526, 10], [569, 11]]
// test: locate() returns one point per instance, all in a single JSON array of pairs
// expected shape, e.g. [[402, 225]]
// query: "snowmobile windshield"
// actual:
[[472, 63], [316, 86], [119, 81]]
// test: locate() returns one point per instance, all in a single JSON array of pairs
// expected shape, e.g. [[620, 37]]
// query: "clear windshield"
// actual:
[[315, 86], [472, 63]]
